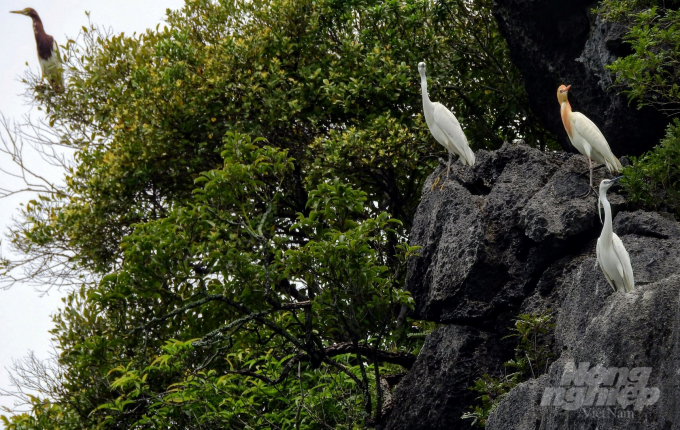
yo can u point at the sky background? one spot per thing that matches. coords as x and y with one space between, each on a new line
24 312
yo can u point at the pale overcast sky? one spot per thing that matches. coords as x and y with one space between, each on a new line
24 314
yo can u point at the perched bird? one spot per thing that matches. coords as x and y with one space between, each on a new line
611 255
585 136
48 51
445 127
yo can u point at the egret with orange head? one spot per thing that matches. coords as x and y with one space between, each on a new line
585 136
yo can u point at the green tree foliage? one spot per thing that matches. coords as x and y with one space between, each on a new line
532 358
653 181
233 226
650 76
44 416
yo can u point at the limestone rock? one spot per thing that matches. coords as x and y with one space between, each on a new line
428 397
514 234
556 42
491 229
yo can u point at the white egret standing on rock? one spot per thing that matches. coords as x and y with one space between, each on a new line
48 51
445 127
611 255
585 136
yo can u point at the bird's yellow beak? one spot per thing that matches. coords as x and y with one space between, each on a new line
20 12
567 89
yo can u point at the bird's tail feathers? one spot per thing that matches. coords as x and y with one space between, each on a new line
614 165
618 165
468 157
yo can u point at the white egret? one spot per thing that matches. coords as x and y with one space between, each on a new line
611 254
48 51
585 136
445 127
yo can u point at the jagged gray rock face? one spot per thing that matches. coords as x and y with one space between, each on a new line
556 42
640 329
514 235
450 354
491 228
582 293
529 395
597 326
557 211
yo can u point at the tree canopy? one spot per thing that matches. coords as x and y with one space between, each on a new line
233 228
650 76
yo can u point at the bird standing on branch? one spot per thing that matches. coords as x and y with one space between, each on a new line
48 51
585 136
445 127
611 255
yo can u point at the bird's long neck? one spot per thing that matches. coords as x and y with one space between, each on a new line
565 110
607 229
43 41
38 28
427 104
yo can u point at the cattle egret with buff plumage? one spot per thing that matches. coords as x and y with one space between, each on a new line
585 136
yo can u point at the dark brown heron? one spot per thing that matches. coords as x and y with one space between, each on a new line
48 51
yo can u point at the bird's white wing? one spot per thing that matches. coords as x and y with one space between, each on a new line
55 48
52 65
625 268
53 69
582 125
448 123
599 262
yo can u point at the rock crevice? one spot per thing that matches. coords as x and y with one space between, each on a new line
528 245
482 254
